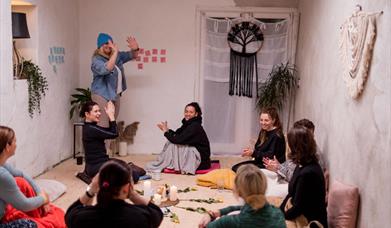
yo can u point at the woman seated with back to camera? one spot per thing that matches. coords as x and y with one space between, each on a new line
250 186
270 142
112 186
306 191
188 148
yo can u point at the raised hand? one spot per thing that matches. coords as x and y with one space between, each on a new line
95 184
132 43
110 110
163 126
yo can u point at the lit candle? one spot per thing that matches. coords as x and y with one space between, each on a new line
157 199
173 193
164 194
147 189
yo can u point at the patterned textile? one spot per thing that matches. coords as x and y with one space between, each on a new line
21 223
358 34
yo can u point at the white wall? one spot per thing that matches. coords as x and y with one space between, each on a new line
355 134
160 91
46 139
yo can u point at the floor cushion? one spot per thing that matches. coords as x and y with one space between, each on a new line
52 187
342 206
215 164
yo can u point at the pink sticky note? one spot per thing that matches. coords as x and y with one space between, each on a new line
145 59
154 51
162 51
162 59
140 66
147 52
154 59
141 51
138 59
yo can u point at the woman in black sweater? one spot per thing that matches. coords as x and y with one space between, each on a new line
94 138
270 142
188 148
113 185
306 191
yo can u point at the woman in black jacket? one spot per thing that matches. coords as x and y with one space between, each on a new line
306 191
113 185
188 148
270 143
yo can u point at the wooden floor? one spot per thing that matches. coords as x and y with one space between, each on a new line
65 173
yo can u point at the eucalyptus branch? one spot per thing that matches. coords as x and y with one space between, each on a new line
200 210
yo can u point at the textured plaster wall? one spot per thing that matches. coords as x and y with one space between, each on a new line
354 134
159 92
46 139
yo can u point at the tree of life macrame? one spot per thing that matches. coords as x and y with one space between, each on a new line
358 34
245 40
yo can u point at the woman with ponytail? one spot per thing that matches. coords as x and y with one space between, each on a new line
250 186
113 185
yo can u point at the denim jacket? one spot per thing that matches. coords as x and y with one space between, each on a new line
104 82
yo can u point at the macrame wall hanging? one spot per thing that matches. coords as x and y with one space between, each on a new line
245 40
358 35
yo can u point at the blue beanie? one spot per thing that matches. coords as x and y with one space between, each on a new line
102 39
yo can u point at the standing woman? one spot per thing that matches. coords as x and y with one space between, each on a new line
22 203
108 72
306 191
112 186
270 143
188 148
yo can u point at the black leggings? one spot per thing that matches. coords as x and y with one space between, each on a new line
254 162
92 169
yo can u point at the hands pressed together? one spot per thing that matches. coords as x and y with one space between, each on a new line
271 164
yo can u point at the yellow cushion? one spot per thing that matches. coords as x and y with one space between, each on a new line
210 179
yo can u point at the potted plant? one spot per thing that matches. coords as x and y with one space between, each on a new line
79 99
282 81
37 85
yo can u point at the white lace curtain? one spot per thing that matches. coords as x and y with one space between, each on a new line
232 120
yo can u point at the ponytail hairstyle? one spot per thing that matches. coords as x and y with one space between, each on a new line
87 107
7 135
251 185
113 175
273 114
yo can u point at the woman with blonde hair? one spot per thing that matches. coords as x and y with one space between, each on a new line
250 186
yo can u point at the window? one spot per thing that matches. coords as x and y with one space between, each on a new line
231 121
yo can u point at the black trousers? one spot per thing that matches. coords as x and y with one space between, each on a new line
92 169
254 162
